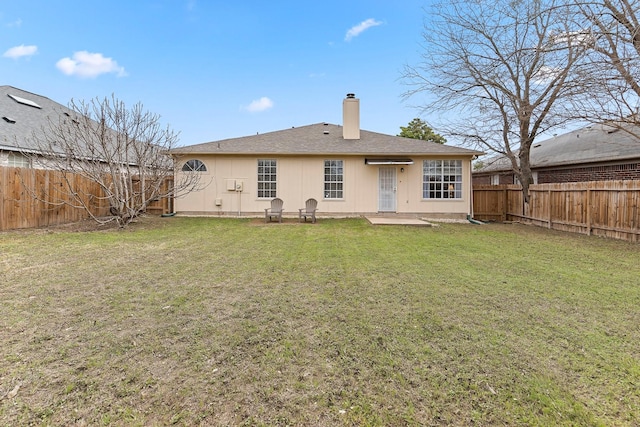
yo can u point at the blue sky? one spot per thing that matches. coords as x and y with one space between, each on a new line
219 69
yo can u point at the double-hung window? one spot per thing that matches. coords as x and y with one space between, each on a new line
267 178
333 179
442 179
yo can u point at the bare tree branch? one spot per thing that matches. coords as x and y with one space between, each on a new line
124 151
502 71
612 72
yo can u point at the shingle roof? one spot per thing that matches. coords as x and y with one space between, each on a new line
597 143
23 118
591 144
323 139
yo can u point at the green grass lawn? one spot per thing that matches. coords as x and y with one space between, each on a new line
191 321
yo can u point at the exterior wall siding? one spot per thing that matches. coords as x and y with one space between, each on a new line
485 179
630 171
616 172
481 179
301 178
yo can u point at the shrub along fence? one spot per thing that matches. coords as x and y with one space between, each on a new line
603 208
33 198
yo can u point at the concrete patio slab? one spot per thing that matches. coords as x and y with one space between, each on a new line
397 221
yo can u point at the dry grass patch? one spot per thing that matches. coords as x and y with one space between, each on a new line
232 322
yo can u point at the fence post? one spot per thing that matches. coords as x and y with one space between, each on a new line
505 204
588 203
549 204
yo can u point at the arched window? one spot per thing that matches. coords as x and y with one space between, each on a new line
194 165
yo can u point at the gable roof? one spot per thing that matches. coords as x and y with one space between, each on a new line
323 139
591 144
22 113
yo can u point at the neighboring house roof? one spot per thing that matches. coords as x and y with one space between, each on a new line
22 113
323 139
592 144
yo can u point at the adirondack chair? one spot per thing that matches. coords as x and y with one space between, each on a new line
275 211
309 210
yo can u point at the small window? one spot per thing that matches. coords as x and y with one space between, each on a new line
194 165
18 160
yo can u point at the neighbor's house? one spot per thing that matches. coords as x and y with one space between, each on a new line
593 153
24 113
349 171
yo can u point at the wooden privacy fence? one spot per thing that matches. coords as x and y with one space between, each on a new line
20 209
603 208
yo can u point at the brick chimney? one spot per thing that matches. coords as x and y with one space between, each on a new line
351 117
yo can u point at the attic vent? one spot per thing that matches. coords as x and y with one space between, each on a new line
536 146
24 101
326 132
613 131
8 120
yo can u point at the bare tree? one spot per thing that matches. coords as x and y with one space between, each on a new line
501 70
123 151
612 72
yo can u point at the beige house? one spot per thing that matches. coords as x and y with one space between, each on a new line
350 172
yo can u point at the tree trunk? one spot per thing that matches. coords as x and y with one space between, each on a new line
525 175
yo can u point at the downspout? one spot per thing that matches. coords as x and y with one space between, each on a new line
474 221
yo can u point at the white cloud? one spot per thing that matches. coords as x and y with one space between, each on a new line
20 51
364 25
15 24
86 64
546 75
259 105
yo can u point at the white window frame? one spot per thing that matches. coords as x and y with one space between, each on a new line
333 188
18 160
267 178
194 165
442 179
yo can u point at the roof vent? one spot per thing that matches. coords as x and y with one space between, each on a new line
326 132
8 120
351 95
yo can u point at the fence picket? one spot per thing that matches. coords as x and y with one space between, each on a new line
603 208
19 209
